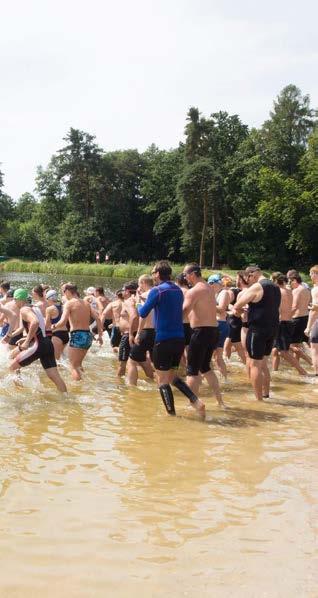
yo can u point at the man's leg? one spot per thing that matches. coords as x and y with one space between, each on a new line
76 357
54 375
314 355
275 359
256 375
289 357
266 378
240 351
132 372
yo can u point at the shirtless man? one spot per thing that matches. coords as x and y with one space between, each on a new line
79 313
39 298
300 311
4 288
111 314
222 303
9 320
235 323
35 345
263 298
312 328
200 306
101 303
127 313
143 342
53 315
283 339
184 286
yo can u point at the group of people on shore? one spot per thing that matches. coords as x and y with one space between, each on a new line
163 326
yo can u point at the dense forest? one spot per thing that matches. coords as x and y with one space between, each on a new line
227 195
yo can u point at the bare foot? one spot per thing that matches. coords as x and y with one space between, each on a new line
222 404
200 407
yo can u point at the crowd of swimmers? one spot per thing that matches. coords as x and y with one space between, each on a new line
178 332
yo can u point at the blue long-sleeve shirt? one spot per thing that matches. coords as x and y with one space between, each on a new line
166 300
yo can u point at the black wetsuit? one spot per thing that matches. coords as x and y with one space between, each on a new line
263 321
235 322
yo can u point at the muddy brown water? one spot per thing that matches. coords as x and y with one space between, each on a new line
102 494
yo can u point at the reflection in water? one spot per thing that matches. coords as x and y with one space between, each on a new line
103 494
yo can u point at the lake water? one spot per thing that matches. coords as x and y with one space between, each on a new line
102 494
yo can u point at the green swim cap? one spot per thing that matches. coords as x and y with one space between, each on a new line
20 294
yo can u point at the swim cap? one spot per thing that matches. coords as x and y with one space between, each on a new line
20 294
214 278
90 291
51 294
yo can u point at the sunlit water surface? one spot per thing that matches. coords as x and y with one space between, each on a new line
102 494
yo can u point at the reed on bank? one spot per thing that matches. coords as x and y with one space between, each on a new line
129 271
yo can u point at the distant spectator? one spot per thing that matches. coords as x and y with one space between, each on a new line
97 257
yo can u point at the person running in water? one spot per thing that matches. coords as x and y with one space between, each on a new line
300 312
111 314
38 298
79 313
53 315
312 326
285 330
35 345
166 299
200 306
263 298
222 303
142 343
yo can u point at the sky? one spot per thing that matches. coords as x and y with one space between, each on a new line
127 71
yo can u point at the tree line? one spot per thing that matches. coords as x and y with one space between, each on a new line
227 195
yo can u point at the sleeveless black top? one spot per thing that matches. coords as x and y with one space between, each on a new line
265 313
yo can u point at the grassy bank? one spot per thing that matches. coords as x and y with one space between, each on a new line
130 270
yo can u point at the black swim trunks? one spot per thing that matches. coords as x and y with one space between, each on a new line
124 347
63 335
187 333
14 339
115 336
203 343
299 325
42 349
167 353
284 335
259 342
138 351
314 333
235 324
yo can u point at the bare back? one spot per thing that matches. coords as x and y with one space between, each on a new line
301 300
286 303
79 313
200 305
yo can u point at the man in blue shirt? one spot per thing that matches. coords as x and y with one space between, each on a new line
166 299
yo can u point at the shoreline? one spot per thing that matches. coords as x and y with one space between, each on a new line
129 270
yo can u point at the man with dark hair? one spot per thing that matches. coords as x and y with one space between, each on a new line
284 335
126 315
263 298
166 299
4 288
200 306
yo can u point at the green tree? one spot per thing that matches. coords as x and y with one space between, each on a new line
197 192
161 169
286 132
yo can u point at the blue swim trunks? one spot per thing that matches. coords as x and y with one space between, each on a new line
224 331
4 329
81 339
